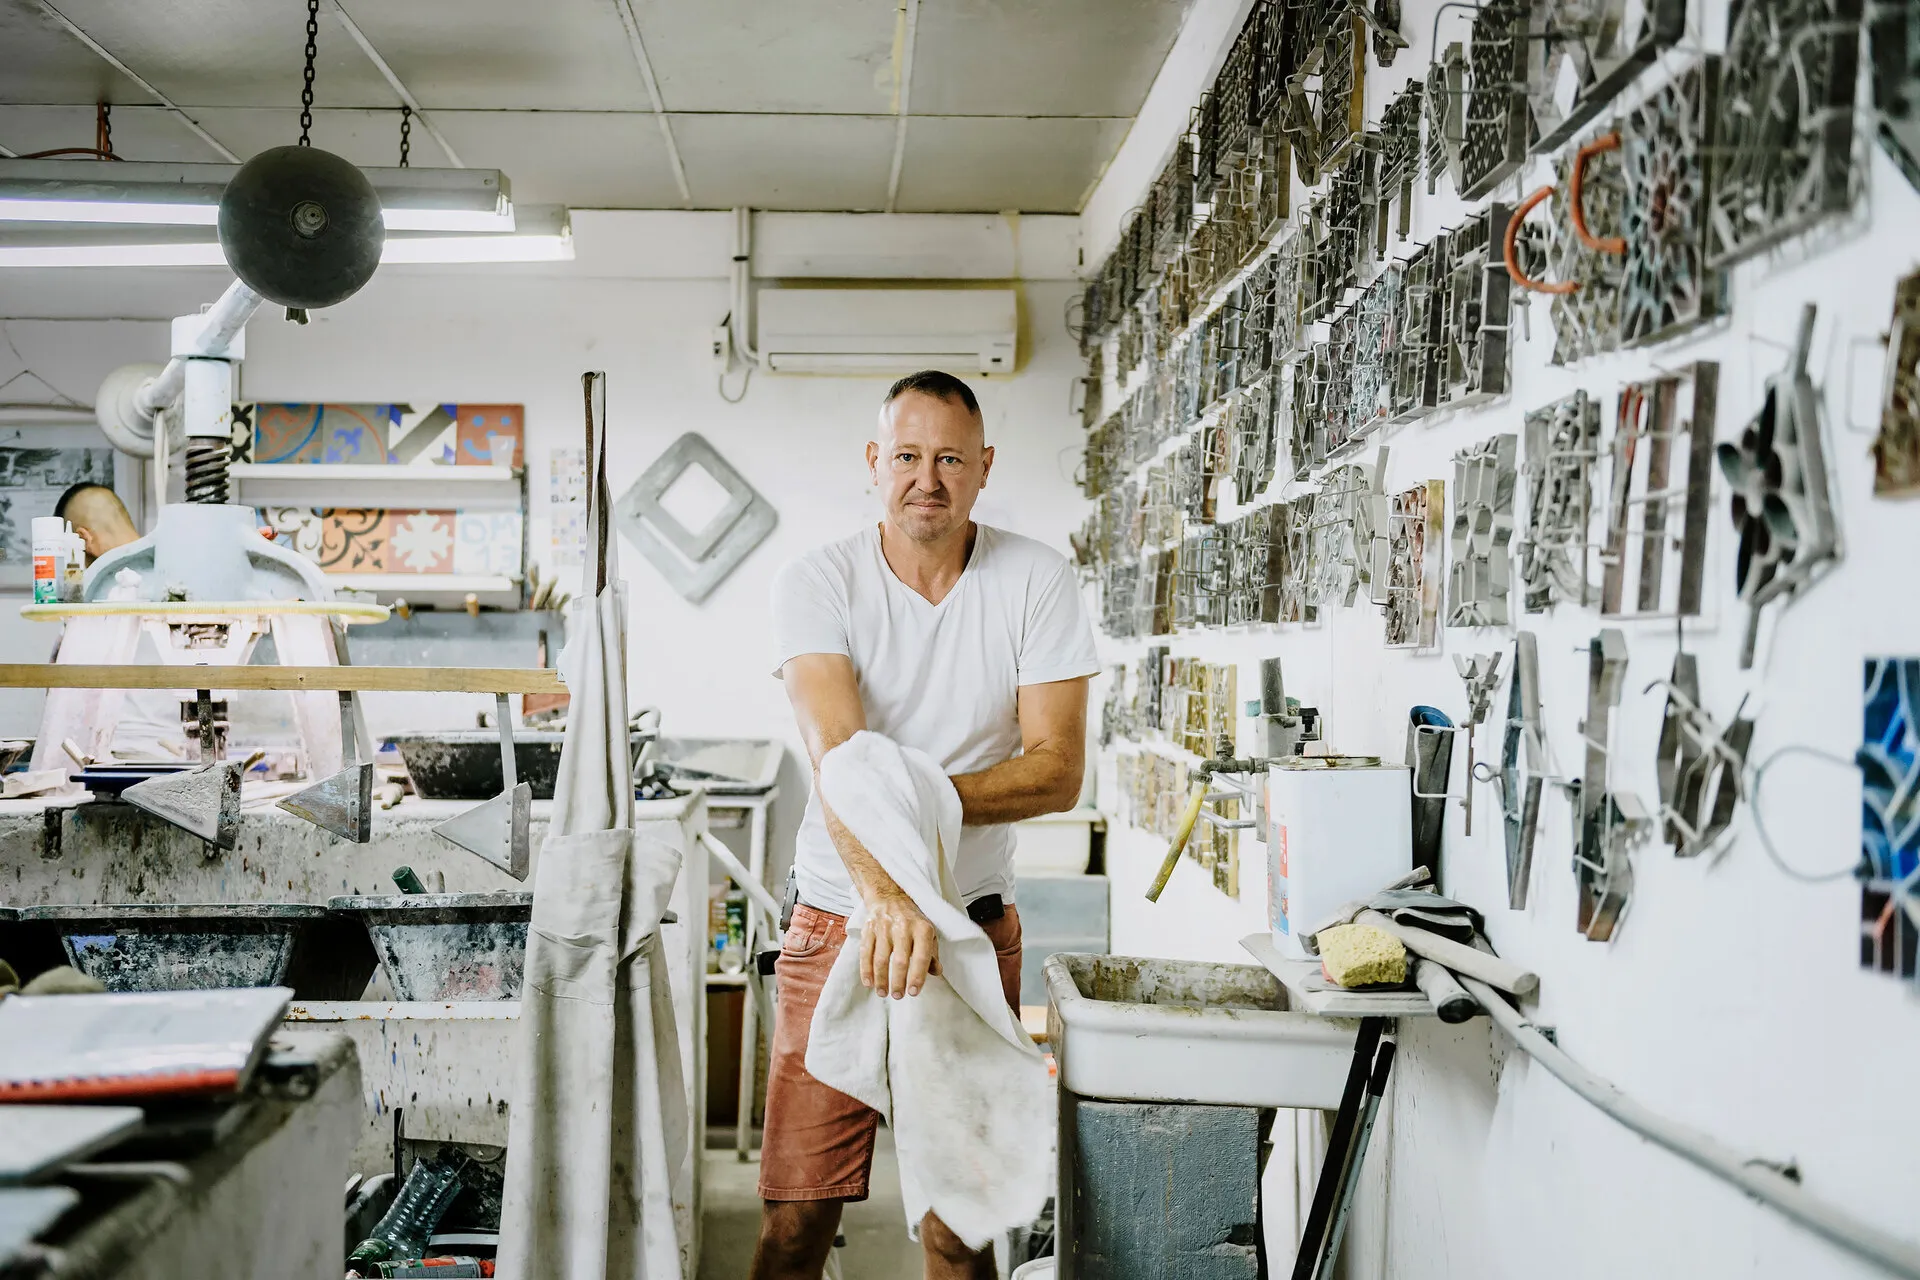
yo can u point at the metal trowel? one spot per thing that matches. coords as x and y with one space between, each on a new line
343 803
501 829
203 801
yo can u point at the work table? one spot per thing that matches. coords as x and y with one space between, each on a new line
72 849
449 1067
263 1200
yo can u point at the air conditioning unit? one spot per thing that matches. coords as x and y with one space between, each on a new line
887 331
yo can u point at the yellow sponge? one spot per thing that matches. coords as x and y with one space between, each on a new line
1359 955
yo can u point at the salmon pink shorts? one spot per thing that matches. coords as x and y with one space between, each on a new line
819 1142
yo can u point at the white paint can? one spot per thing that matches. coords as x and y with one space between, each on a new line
1339 828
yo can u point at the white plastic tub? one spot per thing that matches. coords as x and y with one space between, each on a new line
1145 1030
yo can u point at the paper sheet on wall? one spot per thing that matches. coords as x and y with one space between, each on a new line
567 506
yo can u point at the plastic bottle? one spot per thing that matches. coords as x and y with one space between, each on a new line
49 558
73 582
716 925
407 1226
733 957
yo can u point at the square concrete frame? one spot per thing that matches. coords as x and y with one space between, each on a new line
694 561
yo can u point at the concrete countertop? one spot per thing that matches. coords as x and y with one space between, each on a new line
79 850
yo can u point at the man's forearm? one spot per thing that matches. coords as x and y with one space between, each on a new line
868 876
1024 787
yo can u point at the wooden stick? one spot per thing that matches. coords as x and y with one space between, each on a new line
1490 969
75 675
1180 837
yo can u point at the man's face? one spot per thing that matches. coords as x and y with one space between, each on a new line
931 461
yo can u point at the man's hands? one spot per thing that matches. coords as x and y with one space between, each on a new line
899 946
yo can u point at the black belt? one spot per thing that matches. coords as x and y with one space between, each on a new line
987 909
982 910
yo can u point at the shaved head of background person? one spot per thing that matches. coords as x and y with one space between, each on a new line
971 644
98 516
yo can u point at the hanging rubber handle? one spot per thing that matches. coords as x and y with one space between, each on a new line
1512 248
1576 196
1181 834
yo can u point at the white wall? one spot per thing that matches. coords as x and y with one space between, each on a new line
1730 998
525 334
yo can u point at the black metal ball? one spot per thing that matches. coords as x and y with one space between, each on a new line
301 227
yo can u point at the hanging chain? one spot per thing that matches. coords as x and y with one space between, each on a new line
306 89
406 134
103 142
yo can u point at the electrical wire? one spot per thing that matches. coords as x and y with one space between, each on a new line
96 152
743 387
1760 825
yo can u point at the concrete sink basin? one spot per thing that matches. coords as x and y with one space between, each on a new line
1146 1030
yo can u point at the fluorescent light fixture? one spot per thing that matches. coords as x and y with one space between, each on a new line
207 215
545 236
137 193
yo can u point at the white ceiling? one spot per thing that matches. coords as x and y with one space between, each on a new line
778 104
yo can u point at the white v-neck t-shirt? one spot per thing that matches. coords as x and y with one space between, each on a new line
940 677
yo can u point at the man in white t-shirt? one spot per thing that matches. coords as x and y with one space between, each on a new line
971 644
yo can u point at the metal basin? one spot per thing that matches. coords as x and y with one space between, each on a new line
146 946
447 946
464 764
723 766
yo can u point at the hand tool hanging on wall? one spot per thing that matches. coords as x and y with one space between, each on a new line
499 830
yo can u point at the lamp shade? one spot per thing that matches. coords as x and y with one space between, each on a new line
301 227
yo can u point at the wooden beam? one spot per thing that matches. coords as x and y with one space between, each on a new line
61 675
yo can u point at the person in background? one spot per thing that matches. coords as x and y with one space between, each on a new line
971 644
149 727
98 516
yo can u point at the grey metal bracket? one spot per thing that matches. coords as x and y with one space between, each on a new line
1482 675
1782 507
1700 764
500 830
694 561
341 804
1606 823
1523 766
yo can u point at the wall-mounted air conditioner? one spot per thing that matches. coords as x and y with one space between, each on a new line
887 331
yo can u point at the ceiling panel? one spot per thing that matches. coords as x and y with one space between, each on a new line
138 133
1052 58
960 164
41 62
364 137
828 56
585 159
786 162
229 52
555 55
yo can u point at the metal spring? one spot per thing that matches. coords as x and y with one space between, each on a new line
207 470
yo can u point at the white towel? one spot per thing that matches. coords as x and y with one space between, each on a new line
960 1082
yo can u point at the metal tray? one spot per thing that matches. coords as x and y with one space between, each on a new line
447 946
723 766
151 946
112 779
